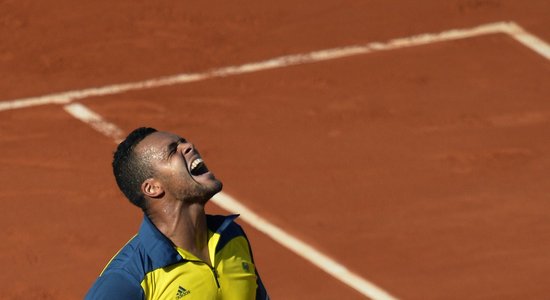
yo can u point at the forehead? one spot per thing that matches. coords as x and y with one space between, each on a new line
156 143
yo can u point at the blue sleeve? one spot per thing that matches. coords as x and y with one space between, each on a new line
261 293
115 284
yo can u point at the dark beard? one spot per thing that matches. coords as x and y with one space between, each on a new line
200 193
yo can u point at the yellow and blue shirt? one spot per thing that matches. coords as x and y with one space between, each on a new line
149 266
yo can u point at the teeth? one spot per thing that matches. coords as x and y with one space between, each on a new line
196 163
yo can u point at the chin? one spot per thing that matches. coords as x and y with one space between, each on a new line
216 188
203 193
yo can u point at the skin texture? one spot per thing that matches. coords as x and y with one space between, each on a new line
174 198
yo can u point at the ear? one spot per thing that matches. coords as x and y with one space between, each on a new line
152 188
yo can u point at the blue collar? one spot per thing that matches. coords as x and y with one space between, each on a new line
162 251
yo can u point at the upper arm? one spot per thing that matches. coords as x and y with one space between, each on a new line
116 284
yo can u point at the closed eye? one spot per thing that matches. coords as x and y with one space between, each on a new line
173 147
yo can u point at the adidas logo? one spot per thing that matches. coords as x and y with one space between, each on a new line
182 292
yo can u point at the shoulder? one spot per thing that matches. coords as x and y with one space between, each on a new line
115 284
232 238
131 260
121 278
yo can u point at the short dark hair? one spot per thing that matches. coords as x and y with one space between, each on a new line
131 171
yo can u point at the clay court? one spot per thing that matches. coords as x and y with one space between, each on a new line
374 149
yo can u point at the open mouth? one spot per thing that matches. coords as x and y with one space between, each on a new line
198 167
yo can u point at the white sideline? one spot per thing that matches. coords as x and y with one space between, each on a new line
510 28
307 252
89 117
230 204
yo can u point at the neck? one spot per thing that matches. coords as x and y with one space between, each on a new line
184 224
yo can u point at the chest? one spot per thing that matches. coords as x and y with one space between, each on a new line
233 276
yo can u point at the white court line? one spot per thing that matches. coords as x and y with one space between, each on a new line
230 204
89 117
529 40
307 252
509 28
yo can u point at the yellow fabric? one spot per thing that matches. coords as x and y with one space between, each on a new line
233 272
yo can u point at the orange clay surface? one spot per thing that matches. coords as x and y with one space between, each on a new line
425 170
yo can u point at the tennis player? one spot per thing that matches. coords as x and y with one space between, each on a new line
179 252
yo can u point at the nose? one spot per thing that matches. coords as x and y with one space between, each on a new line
186 147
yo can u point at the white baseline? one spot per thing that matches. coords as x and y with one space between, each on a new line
510 28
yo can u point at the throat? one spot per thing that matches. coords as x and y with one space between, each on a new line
185 226
199 250
205 256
